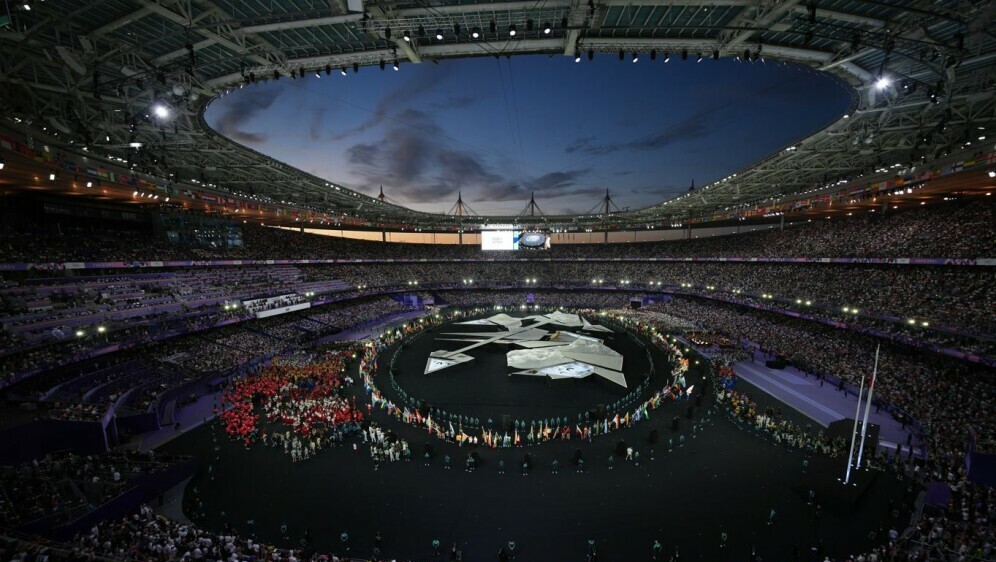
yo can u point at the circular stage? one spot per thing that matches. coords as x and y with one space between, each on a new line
486 387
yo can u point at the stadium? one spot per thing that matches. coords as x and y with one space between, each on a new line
366 280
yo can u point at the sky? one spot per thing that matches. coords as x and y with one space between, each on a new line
497 130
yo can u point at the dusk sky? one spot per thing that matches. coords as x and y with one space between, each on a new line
497 130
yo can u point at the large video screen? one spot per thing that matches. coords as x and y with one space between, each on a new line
534 240
499 240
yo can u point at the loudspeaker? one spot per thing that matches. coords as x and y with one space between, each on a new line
775 364
635 304
601 411
652 438
675 423
690 412
506 423
698 399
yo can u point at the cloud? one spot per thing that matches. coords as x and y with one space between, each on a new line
363 154
421 166
240 110
547 186
399 100
317 117
579 144
693 128
453 102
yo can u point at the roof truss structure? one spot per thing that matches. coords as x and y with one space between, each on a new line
86 74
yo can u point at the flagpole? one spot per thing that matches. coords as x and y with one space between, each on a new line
864 423
857 414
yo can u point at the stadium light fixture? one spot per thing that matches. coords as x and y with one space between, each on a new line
395 65
407 36
161 111
318 73
80 333
547 29
882 83
636 56
475 34
511 30
52 176
667 57
342 71
89 184
101 329
577 57
439 35
992 173
2 165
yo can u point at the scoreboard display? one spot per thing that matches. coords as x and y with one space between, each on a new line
499 240
508 237
534 240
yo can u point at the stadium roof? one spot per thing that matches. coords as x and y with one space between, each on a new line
93 73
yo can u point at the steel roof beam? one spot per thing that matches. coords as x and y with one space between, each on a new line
842 16
120 22
180 20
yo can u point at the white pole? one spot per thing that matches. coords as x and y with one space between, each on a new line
864 422
857 414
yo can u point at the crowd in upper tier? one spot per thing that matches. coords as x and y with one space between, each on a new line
42 318
954 229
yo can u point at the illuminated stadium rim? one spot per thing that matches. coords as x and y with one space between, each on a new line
128 57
